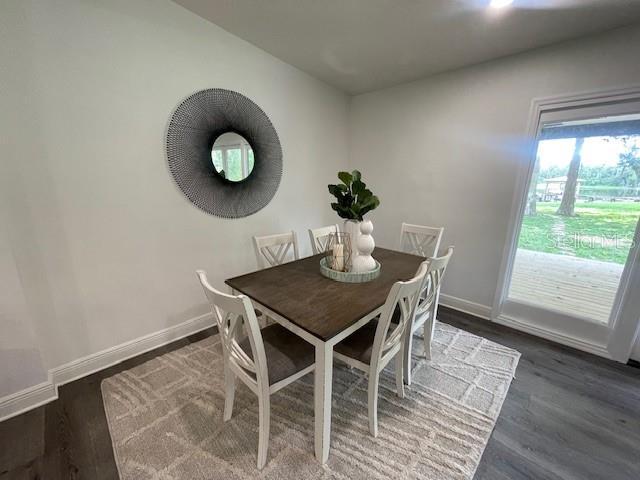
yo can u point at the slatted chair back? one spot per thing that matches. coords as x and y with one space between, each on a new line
420 240
232 312
431 288
319 237
403 297
273 250
426 311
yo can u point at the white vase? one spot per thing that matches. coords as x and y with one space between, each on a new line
363 261
352 227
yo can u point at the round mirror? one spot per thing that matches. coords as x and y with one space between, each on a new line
205 139
232 156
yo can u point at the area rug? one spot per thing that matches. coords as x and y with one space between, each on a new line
165 417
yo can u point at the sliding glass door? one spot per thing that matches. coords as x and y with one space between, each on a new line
575 241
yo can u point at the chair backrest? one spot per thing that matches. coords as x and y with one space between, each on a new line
272 250
230 313
420 240
404 297
320 237
431 289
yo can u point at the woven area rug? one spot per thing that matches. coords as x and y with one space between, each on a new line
165 417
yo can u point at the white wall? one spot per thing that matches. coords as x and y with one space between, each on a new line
445 150
105 244
20 356
21 362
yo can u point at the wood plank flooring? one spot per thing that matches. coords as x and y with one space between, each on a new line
76 440
566 284
568 415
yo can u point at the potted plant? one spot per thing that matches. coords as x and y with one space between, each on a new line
354 201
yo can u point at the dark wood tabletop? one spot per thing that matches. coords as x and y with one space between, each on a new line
324 307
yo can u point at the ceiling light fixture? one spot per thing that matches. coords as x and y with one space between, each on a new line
500 3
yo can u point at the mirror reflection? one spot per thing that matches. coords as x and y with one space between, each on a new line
232 156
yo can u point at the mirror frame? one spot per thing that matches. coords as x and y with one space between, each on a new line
195 125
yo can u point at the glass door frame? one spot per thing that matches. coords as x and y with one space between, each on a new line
614 340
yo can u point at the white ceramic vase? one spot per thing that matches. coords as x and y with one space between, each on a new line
363 261
352 227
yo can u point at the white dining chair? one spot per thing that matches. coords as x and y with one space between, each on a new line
273 250
372 347
265 360
426 310
420 240
320 236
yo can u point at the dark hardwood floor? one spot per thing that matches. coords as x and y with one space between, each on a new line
568 415
69 438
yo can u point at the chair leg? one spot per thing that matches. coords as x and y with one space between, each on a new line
406 367
264 407
427 335
229 393
400 373
374 378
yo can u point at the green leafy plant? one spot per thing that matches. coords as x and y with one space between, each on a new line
355 200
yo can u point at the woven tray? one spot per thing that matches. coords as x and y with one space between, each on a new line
349 277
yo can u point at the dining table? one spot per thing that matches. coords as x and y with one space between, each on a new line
323 312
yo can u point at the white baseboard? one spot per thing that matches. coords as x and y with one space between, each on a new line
466 306
38 395
111 356
24 400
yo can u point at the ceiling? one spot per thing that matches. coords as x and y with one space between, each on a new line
364 45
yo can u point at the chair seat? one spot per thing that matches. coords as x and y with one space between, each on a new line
286 353
359 345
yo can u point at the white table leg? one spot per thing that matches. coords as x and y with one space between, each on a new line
323 378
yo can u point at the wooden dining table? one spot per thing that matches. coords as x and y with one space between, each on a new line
323 312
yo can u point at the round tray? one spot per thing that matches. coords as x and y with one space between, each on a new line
349 277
